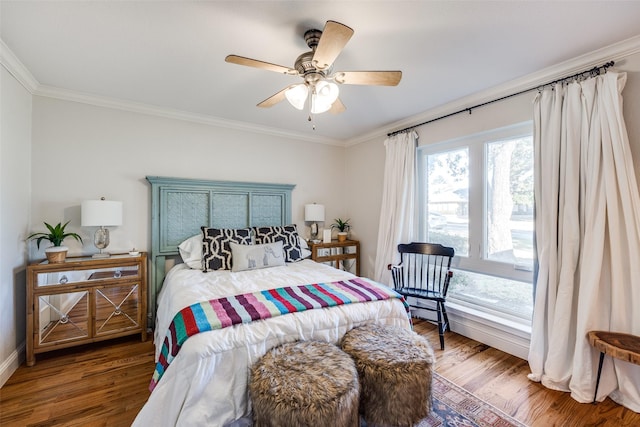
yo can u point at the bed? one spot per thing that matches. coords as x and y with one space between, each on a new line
206 382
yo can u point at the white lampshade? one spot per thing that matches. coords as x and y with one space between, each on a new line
324 96
314 212
101 213
297 95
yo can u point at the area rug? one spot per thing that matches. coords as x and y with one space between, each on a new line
453 406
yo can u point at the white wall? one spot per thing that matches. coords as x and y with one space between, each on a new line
15 185
363 199
83 152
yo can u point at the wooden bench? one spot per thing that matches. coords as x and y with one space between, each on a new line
618 345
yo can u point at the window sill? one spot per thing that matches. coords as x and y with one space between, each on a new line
512 336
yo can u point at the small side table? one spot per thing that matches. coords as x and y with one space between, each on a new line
618 345
338 258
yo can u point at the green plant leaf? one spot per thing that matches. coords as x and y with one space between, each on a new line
56 235
341 225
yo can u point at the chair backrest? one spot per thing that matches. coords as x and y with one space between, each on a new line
424 267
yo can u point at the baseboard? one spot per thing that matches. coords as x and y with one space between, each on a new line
11 364
492 331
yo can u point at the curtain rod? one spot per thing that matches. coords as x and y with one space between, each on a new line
592 72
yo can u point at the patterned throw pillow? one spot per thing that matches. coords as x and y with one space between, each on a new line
216 253
287 234
252 257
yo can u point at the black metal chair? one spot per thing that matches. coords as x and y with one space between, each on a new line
424 272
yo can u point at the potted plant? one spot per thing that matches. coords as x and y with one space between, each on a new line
343 228
56 253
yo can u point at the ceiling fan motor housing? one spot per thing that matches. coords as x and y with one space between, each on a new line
305 67
312 37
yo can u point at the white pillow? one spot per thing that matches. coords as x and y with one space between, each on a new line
304 247
191 251
252 257
303 243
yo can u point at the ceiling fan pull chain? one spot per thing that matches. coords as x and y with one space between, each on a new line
310 100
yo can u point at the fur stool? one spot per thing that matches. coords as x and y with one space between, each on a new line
395 368
305 383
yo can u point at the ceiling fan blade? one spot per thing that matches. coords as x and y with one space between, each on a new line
274 99
334 38
241 60
379 78
337 107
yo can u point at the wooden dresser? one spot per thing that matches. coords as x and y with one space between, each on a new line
84 300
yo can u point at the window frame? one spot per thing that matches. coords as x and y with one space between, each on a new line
476 145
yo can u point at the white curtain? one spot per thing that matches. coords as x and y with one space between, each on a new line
398 201
588 239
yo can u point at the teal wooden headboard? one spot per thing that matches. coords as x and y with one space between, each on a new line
179 207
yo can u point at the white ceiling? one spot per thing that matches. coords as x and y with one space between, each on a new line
170 54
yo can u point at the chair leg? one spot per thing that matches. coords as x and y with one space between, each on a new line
446 318
441 325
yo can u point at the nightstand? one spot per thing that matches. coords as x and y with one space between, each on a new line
338 253
84 300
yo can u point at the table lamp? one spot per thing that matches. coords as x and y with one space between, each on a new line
314 213
101 213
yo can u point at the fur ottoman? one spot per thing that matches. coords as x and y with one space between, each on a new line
394 367
306 383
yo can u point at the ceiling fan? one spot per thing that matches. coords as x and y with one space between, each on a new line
319 90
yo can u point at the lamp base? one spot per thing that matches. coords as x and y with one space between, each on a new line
101 241
101 255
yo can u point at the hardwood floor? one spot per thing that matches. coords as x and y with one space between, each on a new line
105 384
101 384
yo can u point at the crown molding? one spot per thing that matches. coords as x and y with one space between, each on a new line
615 52
12 64
136 107
17 69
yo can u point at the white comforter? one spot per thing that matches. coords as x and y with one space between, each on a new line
206 384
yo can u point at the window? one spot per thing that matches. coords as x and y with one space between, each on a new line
477 196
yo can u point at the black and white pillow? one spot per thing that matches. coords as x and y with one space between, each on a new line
216 252
287 234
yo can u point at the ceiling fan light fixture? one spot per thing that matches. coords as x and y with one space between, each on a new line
317 106
323 96
297 95
327 91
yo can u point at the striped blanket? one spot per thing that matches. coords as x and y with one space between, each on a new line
223 312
